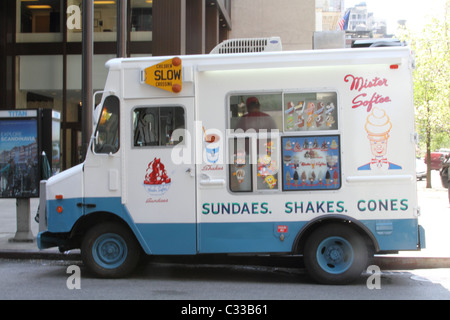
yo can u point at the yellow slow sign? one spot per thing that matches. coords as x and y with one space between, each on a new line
165 75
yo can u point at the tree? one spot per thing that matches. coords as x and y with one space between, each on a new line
432 83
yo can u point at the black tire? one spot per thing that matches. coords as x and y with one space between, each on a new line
335 254
110 250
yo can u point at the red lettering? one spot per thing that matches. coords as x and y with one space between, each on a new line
359 83
376 99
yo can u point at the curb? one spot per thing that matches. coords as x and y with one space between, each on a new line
410 263
35 255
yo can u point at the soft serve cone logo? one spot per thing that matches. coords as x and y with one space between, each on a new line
378 127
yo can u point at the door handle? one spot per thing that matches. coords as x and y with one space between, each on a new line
205 180
190 172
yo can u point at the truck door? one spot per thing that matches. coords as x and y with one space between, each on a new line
159 174
101 171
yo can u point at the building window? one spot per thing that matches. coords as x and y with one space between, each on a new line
39 21
141 20
104 24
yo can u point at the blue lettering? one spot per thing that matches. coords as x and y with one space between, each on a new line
264 208
17 113
319 207
309 208
205 207
299 207
330 205
394 204
404 203
225 208
361 206
340 206
254 207
288 208
215 211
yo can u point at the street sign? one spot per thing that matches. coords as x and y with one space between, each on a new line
165 75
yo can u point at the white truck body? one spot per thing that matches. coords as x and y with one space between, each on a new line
342 151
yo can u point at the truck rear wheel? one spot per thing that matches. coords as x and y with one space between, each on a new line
335 254
110 250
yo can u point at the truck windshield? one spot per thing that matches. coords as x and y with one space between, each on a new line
107 133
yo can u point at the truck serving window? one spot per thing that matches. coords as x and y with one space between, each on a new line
255 120
256 112
243 165
155 126
303 155
310 111
107 133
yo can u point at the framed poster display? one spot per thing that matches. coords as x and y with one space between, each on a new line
311 162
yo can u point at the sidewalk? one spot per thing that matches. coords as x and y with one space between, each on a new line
435 218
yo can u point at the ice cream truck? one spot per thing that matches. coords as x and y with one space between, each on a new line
308 153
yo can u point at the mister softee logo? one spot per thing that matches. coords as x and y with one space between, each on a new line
378 124
360 83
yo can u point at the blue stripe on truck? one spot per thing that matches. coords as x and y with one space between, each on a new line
190 238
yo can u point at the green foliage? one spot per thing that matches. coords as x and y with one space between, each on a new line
432 81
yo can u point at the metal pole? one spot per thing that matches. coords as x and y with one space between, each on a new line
86 86
121 28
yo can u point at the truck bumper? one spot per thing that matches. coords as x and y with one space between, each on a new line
422 244
47 240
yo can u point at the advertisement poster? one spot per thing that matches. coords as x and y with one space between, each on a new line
311 163
19 160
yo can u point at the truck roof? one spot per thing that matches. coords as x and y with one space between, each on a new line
288 59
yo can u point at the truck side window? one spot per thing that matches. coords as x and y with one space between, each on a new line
107 133
243 165
267 164
256 112
158 126
240 165
254 148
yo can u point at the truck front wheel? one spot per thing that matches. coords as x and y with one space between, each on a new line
110 250
335 254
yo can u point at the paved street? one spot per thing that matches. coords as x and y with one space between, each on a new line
38 278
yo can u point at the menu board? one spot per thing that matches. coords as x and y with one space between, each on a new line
311 163
310 112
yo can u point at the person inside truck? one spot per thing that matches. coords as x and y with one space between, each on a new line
255 118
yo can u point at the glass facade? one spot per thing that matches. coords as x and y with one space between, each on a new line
41 46
49 64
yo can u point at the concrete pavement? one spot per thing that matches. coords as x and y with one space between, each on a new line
435 218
